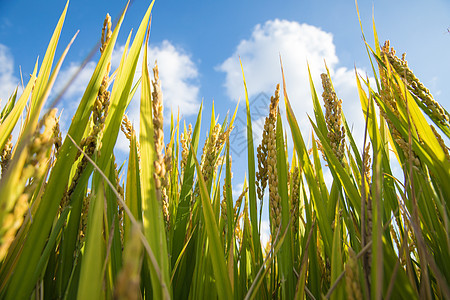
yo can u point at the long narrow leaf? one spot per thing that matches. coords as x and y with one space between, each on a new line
20 286
218 261
154 227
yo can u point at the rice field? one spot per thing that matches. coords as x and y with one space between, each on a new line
71 228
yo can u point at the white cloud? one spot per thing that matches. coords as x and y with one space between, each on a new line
241 132
265 233
78 86
178 75
179 83
298 45
237 190
8 82
71 98
327 177
177 72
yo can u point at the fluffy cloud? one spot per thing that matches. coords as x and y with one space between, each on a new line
265 233
8 82
78 86
72 96
298 45
177 72
179 83
178 75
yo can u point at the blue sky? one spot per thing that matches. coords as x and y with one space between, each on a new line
197 44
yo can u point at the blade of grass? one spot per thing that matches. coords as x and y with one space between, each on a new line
306 166
21 284
8 124
184 275
8 185
91 277
52 240
9 105
318 113
285 260
265 268
44 72
251 179
133 191
182 213
336 259
154 227
152 258
338 170
217 258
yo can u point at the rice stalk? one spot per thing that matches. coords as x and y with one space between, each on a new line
352 285
200 242
185 142
5 155
92 142
128 281
268 164
433 108
295 199
441 142
333 111
35 165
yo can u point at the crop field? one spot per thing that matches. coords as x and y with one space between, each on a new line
170 228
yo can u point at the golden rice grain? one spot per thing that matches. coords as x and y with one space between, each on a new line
269 136
414 85
352 286
106 33
5 154
128 280
36 163
333 117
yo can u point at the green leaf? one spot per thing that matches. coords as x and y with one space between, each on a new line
336 260
184 274
307 167
9 105
154 227
285 255
40 88
133 188
217 258
229 199
7 126
182 213
251 179
112 230
91 277
339 171
52 240
318 113
121 93
22 281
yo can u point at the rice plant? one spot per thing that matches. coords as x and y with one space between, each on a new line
71 229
